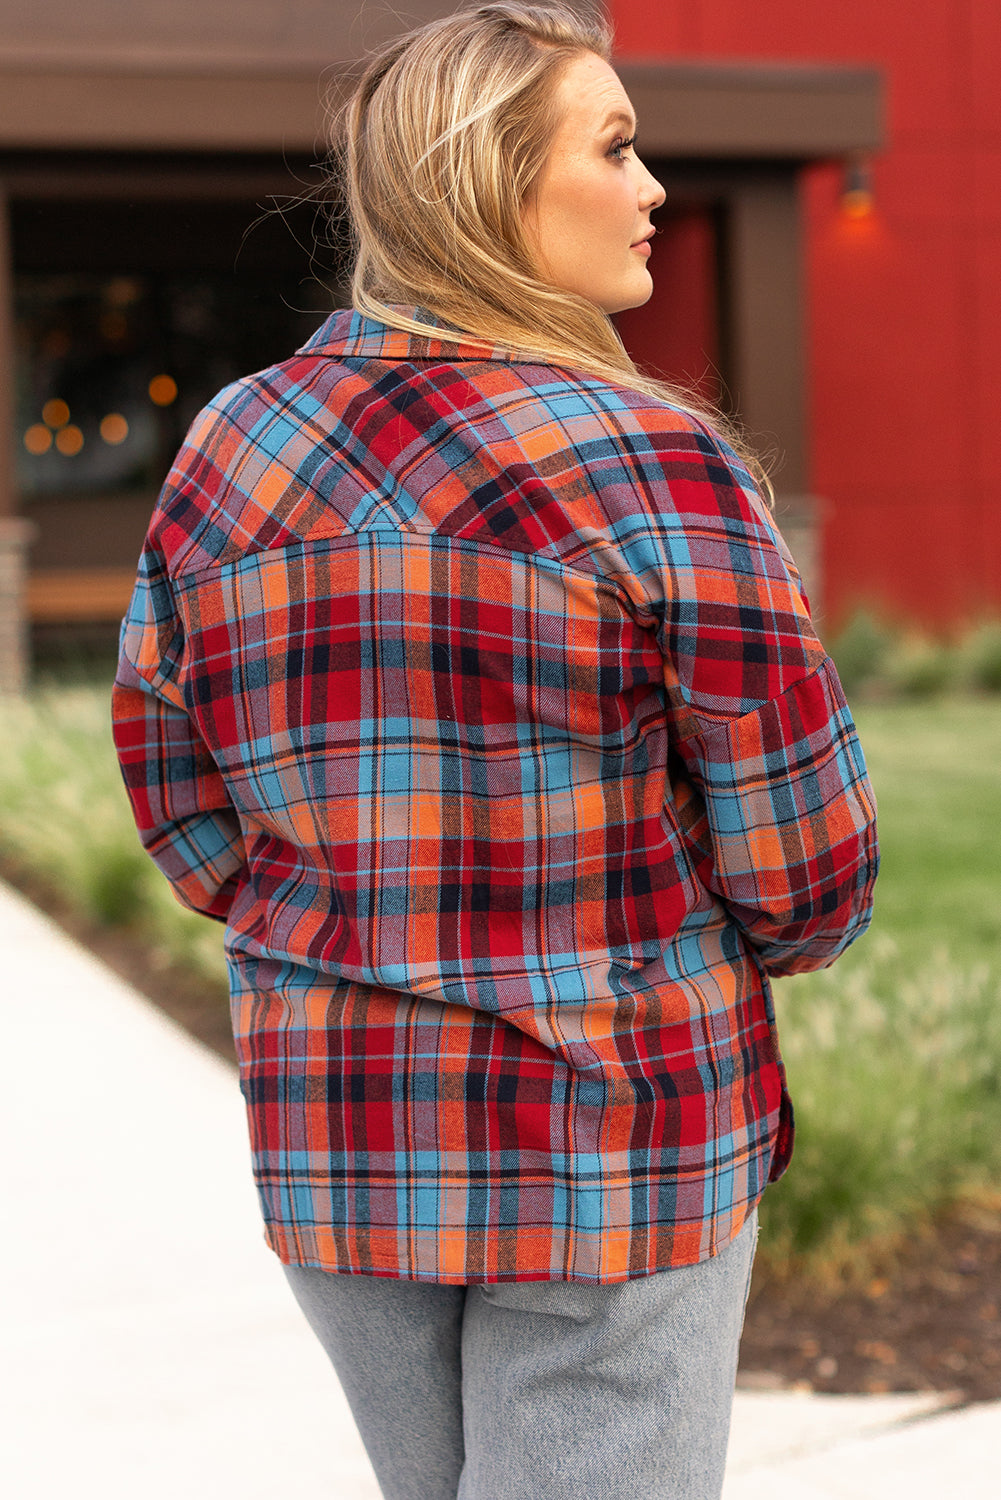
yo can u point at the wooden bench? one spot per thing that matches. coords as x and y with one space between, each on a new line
68 596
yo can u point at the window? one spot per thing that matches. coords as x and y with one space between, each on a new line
112 368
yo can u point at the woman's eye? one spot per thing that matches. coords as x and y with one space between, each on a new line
617 147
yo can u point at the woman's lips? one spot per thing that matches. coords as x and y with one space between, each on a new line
643 246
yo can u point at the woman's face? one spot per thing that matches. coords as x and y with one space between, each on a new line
588 219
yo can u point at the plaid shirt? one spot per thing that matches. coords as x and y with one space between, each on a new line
480 701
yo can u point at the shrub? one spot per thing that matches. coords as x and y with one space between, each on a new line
860 652
877 661
917 667
979 658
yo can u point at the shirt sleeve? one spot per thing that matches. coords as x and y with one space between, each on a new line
183 812
783 819
770 784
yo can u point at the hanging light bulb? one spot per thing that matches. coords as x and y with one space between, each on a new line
857 200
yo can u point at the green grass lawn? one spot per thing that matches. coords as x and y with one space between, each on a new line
936 768
894 1054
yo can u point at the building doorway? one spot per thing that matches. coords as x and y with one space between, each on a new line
678 334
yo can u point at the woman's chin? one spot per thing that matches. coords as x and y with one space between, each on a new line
635 296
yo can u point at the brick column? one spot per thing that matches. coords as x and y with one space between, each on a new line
15 535
14 532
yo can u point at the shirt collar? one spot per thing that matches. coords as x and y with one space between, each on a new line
347 333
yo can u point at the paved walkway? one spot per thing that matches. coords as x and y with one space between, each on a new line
152 1349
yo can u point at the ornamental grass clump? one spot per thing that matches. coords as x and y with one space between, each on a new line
896 1075
65 823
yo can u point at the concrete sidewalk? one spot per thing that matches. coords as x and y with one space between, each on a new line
152 1349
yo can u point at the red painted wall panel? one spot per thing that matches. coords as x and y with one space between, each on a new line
985 363
904 310
985 92
675 335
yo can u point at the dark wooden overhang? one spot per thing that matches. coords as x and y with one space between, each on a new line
754 111
733 110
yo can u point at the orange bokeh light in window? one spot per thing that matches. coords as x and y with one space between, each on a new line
38 439
55 413
69 441
114 428
163 390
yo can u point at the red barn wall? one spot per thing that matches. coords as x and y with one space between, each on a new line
904 309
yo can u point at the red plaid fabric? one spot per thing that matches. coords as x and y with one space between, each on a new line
480 701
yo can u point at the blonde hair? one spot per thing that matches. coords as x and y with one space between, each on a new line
440 145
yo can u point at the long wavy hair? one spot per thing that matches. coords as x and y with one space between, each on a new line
436 152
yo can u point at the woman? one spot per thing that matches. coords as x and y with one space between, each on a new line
468 681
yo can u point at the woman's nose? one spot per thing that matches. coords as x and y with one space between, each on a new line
652 195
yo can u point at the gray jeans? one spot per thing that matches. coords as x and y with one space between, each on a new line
540 1390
